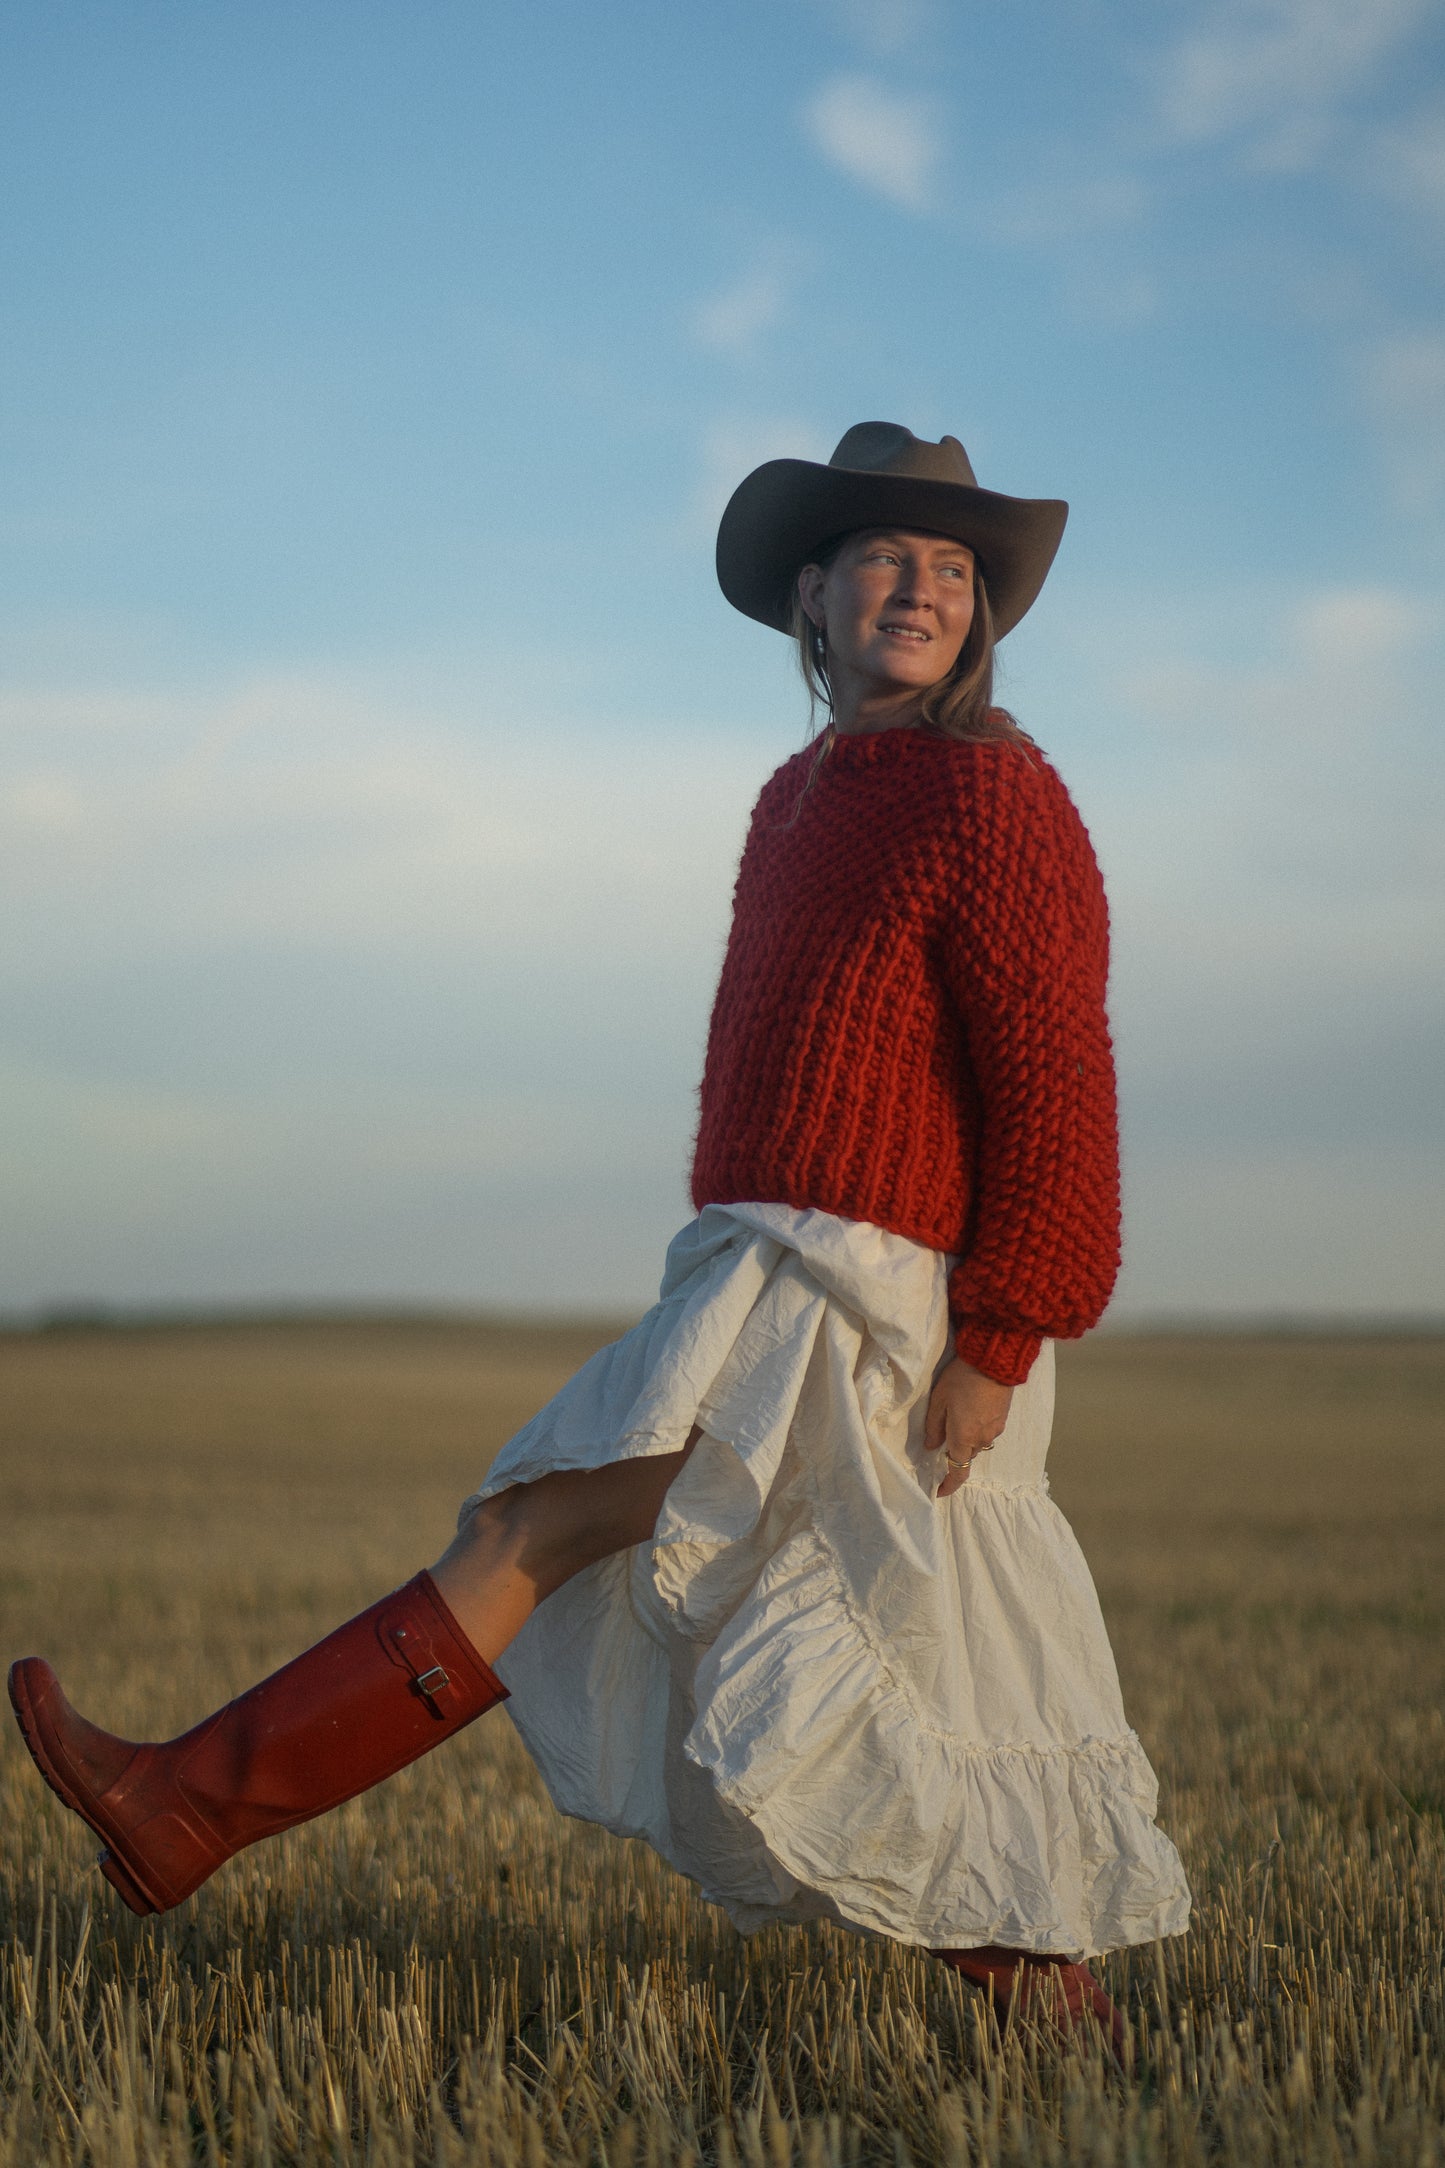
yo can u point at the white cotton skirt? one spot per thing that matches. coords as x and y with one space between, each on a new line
820 1691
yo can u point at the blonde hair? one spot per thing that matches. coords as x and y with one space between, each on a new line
960 706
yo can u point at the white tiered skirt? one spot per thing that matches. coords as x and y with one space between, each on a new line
819 1691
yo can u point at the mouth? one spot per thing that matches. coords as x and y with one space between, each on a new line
914 633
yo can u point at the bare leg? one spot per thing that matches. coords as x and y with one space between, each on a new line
380 1690
520 1545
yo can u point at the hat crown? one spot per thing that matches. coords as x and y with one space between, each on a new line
889 448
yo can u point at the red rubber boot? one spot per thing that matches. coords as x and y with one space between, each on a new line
1062 1994
380 1692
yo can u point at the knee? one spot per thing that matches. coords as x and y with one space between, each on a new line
520 1529
571 1518
494 1524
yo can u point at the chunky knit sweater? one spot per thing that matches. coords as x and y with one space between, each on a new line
910 1026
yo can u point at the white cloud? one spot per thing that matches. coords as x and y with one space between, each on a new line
733 320
1404 384
881 138
1357 627
1273 834
1325 655
338 1188
307 992
302 811
1277 71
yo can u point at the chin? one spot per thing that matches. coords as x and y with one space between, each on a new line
912 673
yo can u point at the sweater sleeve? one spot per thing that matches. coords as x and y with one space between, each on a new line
1026 956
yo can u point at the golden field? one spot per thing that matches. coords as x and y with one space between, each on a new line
447 1972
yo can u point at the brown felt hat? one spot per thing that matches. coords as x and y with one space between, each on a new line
881 475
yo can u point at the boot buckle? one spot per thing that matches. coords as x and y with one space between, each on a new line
413 1645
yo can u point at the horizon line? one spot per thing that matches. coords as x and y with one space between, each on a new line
87 1316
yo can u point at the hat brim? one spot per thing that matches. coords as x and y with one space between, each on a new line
783 513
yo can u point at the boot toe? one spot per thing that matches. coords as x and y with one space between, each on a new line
79 1762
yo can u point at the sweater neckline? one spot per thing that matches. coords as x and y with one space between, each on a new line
867 748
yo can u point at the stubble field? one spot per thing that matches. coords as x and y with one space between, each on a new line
447 1972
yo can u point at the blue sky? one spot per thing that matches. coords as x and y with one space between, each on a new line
375 746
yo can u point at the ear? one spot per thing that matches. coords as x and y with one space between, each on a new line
810 592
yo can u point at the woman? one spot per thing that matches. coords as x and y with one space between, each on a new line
786 1631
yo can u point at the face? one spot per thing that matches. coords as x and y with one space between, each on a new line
896 607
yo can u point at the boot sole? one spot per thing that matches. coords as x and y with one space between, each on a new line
123 1874
128 1891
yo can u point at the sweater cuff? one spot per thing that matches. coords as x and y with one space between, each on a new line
1004 1353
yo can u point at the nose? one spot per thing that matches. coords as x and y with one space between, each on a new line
914 588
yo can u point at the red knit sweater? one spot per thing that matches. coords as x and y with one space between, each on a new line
910 1027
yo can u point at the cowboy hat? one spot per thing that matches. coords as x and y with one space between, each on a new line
881 475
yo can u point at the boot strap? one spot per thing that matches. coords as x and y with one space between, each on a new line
417 1652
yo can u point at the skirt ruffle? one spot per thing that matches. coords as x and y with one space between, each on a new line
821 1691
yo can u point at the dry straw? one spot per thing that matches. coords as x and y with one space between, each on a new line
448 1973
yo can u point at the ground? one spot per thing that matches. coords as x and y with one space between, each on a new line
448 1972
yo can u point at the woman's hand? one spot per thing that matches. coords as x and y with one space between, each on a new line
965 1414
